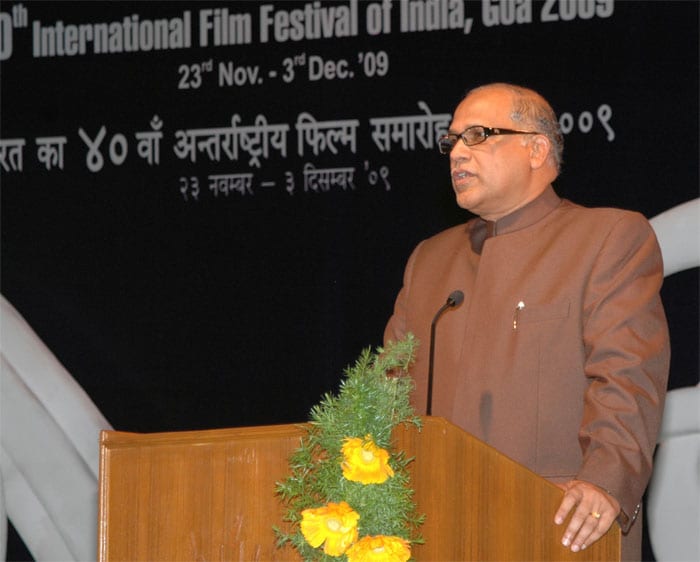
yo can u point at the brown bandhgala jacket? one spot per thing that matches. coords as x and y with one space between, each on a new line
559 354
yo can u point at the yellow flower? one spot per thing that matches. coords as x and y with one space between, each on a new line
364 461
335 524
379 549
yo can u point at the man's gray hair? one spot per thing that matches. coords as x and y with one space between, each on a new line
533 111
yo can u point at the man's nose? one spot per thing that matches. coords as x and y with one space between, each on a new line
459 152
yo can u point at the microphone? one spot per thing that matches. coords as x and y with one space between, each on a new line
454 299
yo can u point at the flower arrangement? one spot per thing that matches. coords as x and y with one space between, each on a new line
348 496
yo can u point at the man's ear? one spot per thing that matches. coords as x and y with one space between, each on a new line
540 148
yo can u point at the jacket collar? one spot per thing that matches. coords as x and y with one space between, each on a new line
523 217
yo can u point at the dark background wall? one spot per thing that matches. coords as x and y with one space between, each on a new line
176 308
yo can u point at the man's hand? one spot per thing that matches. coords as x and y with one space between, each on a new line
594 512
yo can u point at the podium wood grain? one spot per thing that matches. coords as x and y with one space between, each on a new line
208 496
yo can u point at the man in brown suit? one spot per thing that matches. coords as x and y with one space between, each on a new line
558 355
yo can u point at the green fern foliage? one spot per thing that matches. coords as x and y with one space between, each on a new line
373 399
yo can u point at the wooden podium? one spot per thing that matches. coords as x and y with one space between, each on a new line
210 496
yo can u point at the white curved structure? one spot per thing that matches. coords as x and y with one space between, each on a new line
674 493
678 232
49 448
673 501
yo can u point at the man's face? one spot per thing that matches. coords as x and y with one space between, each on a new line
493 178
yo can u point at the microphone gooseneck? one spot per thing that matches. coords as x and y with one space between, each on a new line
454 299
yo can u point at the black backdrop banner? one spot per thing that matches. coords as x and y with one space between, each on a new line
207 206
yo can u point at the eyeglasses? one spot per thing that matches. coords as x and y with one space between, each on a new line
475 134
